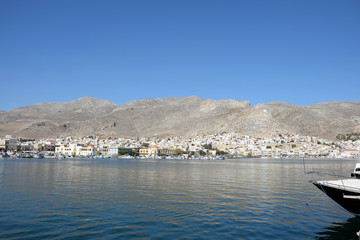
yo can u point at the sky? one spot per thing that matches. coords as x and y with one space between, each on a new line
301 51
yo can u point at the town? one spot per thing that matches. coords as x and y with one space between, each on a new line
216 146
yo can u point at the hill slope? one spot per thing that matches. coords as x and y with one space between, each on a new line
188 116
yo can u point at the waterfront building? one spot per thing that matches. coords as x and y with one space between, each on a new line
149 152
66 149
156 151
8 143
75 149
3 145
85 150
113 151
103 150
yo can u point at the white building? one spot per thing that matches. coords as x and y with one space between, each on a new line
75 150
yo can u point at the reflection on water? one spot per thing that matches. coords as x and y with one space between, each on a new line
132 198
341 230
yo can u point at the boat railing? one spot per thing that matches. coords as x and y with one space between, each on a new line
342 185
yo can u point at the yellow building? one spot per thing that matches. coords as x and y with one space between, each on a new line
155 151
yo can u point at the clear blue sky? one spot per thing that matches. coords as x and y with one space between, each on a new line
300 51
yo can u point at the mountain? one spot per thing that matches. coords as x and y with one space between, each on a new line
187 116
51 119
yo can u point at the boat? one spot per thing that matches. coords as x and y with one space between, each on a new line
345 192
356 172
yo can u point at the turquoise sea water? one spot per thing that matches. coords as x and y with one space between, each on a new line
169 199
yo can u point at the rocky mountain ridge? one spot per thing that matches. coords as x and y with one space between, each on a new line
184 116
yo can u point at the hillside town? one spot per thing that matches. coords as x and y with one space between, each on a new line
217 146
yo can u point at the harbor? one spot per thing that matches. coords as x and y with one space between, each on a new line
216 146
162 198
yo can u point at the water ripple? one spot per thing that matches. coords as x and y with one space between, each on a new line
166 199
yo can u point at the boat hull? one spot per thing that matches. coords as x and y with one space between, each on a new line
355 175
349 200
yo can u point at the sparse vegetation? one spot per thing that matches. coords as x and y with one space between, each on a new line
145 144
219 152
202 153
348 137
207 146
179 152
124 152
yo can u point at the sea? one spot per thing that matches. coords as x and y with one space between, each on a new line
248 198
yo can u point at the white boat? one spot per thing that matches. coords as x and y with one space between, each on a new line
345 192
356 172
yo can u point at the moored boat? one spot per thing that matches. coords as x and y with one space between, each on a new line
356 172
345 192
